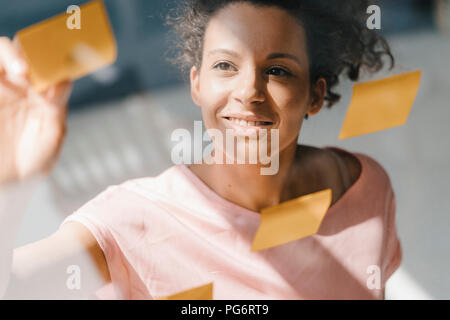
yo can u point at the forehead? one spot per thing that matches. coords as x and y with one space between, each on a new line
243 26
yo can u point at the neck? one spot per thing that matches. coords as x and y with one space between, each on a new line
244 185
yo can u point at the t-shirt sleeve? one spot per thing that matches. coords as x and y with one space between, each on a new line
98 216
392 257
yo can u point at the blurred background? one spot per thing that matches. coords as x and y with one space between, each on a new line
121 119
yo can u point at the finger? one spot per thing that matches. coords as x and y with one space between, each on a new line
59 94
12 62
12 59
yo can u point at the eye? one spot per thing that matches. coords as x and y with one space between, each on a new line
224 66
279 72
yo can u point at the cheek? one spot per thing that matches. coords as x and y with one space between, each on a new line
214 91
214 97
291 101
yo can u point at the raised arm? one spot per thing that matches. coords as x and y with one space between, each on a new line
68 264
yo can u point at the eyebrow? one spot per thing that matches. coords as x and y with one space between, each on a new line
274 55
277 55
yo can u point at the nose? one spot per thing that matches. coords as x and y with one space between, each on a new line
250 87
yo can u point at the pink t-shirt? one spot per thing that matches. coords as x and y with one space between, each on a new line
166 234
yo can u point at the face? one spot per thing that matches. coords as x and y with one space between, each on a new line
255 67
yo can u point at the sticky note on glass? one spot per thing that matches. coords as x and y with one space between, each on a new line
291 220
381 104
68 46
204 292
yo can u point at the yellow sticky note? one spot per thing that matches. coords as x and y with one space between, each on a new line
204 292
57 50
381 104
291 220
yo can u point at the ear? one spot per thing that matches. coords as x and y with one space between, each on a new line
317 96
195 85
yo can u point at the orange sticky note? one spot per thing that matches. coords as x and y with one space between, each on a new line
204 292
381 104
57 50
291 220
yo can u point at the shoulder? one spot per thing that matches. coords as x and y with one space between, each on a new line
350 164
133 200
143 187
361 165
375 172
340 167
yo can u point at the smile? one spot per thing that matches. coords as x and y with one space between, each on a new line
245 123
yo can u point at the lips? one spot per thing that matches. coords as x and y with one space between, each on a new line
247 124
249 120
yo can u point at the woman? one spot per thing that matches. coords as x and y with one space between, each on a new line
253 65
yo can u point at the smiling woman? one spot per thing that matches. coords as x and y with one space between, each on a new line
252 65
257 65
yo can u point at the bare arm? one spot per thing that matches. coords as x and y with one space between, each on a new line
32 128
69 264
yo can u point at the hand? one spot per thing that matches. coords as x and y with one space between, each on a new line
32 125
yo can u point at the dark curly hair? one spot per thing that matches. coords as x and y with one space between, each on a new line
338 39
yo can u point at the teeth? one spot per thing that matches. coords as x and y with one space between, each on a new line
247 123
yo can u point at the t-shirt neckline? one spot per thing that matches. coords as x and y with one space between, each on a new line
212 195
